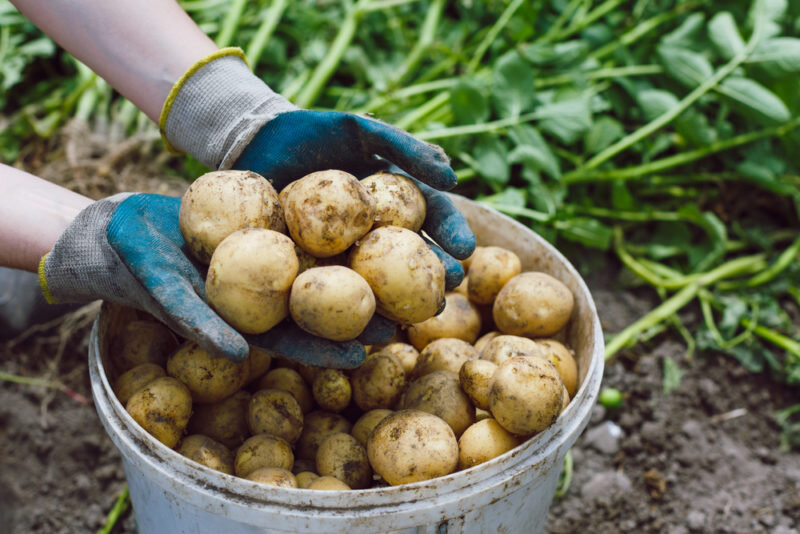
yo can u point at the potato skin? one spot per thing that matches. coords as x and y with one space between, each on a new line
440 394
490 268
365 424
475 377
162 408
460 319
483 441
378 382
135 379
317 426
209 378
206 451
560 356
532 304
445 354
398 200
273 476
328 483
504 347
332 390
305 478
341 456
262 450
142 341
224 421
276 412
405 353
291 381
260 362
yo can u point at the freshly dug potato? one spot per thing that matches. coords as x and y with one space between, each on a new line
135 379
366 423
532 304
260 361
327 211
489 270
209 378
445 354
566 400
291 381
483 441
206 451
474 377
162 408
331 302
504 347
262 450
224 421
141 342
332 390
404 273
316 427
276 412
340 455
222 202
525 396
467 262
482 341
460 319
480 414
411 446
305 478
273 476
404 352
249 278
562 358
440 393
327 483
461 288
378 382
398 200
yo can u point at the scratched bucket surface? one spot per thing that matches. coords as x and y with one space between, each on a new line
509 494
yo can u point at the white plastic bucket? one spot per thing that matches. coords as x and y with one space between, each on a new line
509 494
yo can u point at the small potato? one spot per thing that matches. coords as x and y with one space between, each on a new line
378 382
332 390
366 423
273 476
304 464
260 362
305 478
440 393
340 455
562 358
276 412
411 446
291 381
327 483
467 262
446 354
135 379
327 211
162 408
316 427
404 352
331 302
504 347
460 319
483 441
482 341
532 304
262 450
249 278
141 342
489 270
222 202
398 200
480 415
206 451
209 378
404 273
474 377
224 421
525 396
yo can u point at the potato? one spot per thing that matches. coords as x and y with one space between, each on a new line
273 476
222 202
331 302
332 390
135 379
249 278
316 427
141 342
327 211
440 393
304 464
562 358
260 362
474 377
305 478
532 304
209 378
378 382
398 200
483 441
489 270
485 339
480 414
206 451
460 319
340 455
411 446
525 395
291 381
504 347
224 421
328 484
262 450
467 262
566 400
276 412
446 354
162 408
405 353
363 427
461 288
404 273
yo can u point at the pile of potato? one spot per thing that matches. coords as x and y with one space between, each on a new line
451 391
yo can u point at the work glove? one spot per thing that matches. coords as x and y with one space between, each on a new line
128 249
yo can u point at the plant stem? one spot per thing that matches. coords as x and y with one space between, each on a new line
423 43
418 114
265 30
611 72
231 22
600 11
492 35
119 508
470 129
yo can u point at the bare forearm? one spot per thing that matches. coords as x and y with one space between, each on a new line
140 47
33 214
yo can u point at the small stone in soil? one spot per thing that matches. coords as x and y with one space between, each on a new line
605 437
605 485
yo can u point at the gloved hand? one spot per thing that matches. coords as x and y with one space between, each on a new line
128 249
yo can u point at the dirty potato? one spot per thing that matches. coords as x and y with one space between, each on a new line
503 347
474 377
209 378
262 450
289 380
162 408
328 483
398 200
259 363
533 304
363 427
341 456
206 451
445 354
482 341
305 478
135 379
142 341
483 441
273 476
224 421
276 412
331 390
440 394
317 426
378 382
562 357
489 270
460 319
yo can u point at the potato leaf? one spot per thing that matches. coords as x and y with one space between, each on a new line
725 35
568 119
589 232
512 91
491 156
685 66
468 103
533 151
602 134
655 102
762 103
686 32
777 57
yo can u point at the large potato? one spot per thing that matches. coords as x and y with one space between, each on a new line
404 273
445 354
340 455
206 451
276 412
504 347
560 356
532 304
135 379
140 342
291 381
162 408
222 202
224 421
327 211
489 270
262 450
209 378
460 319
398 200
440 393
378 382
483 441
249 278
332 302
316 427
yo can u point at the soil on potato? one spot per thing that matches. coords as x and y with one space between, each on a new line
703 458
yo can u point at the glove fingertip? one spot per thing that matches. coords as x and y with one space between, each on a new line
230 345
380 330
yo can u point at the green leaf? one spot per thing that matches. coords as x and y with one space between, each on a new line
561 54
491 156
686 67
672 375
694 127
602 134
512 91
468 103
756 98
533 151
510 196
589 232
686 32
777 57
725 35
621 197
568 119
656 102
